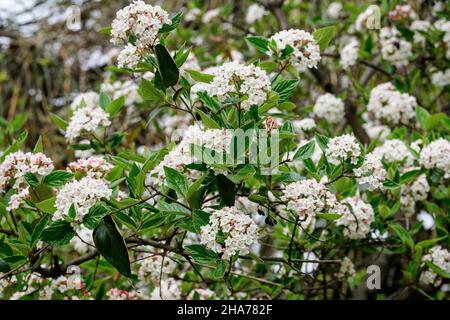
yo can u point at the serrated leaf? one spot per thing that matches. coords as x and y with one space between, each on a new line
324 36
58 233
305 151
57 178
176 181
201 254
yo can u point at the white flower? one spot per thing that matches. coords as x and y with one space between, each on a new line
83 194
307 198
402 12
441 78
419 26
367 17
349 54
192 14
356 220
306 50
393 49
371 172
240 232
86 120
95 167
84 241
129 57
343 148
210 14
375 130
255 12
437 155
141 20
152 264
237 80
117 294
412 193
334 10
89 98
170 290
304 125
330 108
439 257
388 104
347 269
14 168
394 150
127 89
426 219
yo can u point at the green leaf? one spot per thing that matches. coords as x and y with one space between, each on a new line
305 151
148 91
57 178
104 100
436 269
176 181
285 88
115 106
167 67
433 121
4 266
212 103
58 233
15 146
271 101
31 179
220 270
176 19
62 124
322 141
201 254
227 190
200 77
259 43
410 176
96 213
47 206
105 30
110 244
323 36
207 121
404 236
38 147
38 229
328 216
421 116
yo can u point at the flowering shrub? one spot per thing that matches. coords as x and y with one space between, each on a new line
285 158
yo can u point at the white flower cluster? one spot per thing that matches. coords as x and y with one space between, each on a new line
94 167
366 19
235 79
356 217
87 117
84 241
334 10
89 98
14 168
140 21
343 148
170 289
441 78
371 172
347 269
304 125
394 150
402 12
151 265
412 193
240 232
439 257
349 54
117 294
306 198
62 285
437 155
127 89
443 25
83 194
255 12
388 104
306 50
330 108
393 48
181 155
419 26
172 123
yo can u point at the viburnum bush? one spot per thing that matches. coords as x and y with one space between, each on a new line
344 164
